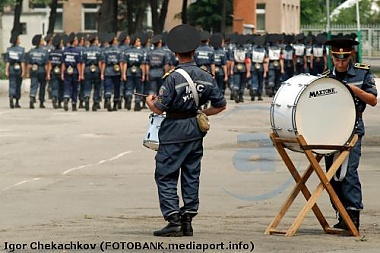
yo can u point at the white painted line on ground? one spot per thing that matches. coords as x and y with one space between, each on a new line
21 183
95 164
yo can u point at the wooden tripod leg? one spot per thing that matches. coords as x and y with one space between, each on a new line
300 186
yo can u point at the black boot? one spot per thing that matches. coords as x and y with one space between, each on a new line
260 98
236 96
137 107
128 102
144 105
11 104
31 103
355 217
95 107
87 103
115 105
173 229
17 105
42 106
241 99
252 98
186 219
74 107
80 104
66 104
108 104
59 105
54 101
119 104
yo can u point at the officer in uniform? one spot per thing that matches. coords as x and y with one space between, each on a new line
49 47
300 52
309 41
134 73
240 69
124 40
221 76
37 65
259 57
92 59
288 53
158 63
111 72
204 55
275 65
71 72
181 140
54 72
15 69
359 79
319 63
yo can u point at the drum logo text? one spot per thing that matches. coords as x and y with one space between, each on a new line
320 93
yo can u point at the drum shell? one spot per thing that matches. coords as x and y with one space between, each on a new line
321 109
151 139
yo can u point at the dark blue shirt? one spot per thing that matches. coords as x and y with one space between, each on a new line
91 56
157 59
134 57
204 55
15 54
111 56
71 56
38 56
220 61
175 96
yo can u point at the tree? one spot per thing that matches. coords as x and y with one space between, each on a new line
158 20
314 11
16 19
107 16
209 15
184 12
368 15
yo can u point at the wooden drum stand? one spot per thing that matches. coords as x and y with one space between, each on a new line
312 198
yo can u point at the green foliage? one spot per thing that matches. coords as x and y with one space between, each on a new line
314 11
367 15
208 14
4 3
2 70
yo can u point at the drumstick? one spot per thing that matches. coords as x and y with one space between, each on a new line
141 95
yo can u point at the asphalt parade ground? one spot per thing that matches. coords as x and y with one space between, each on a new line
83 182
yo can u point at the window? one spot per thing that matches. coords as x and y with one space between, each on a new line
90 17
260 18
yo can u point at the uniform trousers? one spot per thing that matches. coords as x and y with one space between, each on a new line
173 161
57 87
91 82
71 87
38 83
134 84
15 82
112 86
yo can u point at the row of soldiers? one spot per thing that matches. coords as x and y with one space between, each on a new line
109 67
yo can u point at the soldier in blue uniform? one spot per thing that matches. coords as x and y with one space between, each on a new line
204 55
359 79
288 56
221 75
300 53
15 69
275 65
319 52
158 63
111 72
91 58
134 73
71 72
54 72
259 58
181 140
37 65
124 40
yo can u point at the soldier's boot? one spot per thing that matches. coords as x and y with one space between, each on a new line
87 103
128 102
59 104
108 104
173 229
80 104
137 107
66 104
42 106
252 98
54 102
98 105
241 99
115 105
17 105
144 105
260 98
74 107
187 229
355 217
11 104
119 104
236 96
94 106
31 103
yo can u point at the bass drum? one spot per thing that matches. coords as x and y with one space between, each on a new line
151 140
321 109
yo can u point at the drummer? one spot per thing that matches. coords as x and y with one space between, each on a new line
181 141
359 79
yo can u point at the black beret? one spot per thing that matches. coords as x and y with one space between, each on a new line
48 37
36 39
164 36
259 40
92 37
122 36
13 38
299 37
321 38
341 47
110 38
57 40
216 40
183 39
241 39
156 38
71 38
205 35
143 38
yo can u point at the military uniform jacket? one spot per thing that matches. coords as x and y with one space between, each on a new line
157 59
239 55
38 58
175 96
257 55
91 57
299 51
55 58
318 52
134 57
15 56
204 56
274 55
173 61
360 76
71 56
112 57
220 61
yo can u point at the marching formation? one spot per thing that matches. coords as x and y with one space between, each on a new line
84 69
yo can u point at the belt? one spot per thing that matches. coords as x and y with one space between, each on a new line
180 115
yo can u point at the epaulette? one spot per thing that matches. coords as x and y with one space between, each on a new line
167 74
362 66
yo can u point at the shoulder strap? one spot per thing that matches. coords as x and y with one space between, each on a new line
191 84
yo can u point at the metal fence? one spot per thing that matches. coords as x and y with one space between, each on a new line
370 34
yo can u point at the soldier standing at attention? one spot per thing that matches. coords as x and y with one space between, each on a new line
91 58
181 140
15 69
54 72
221 76
71 72
37 66
259 58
